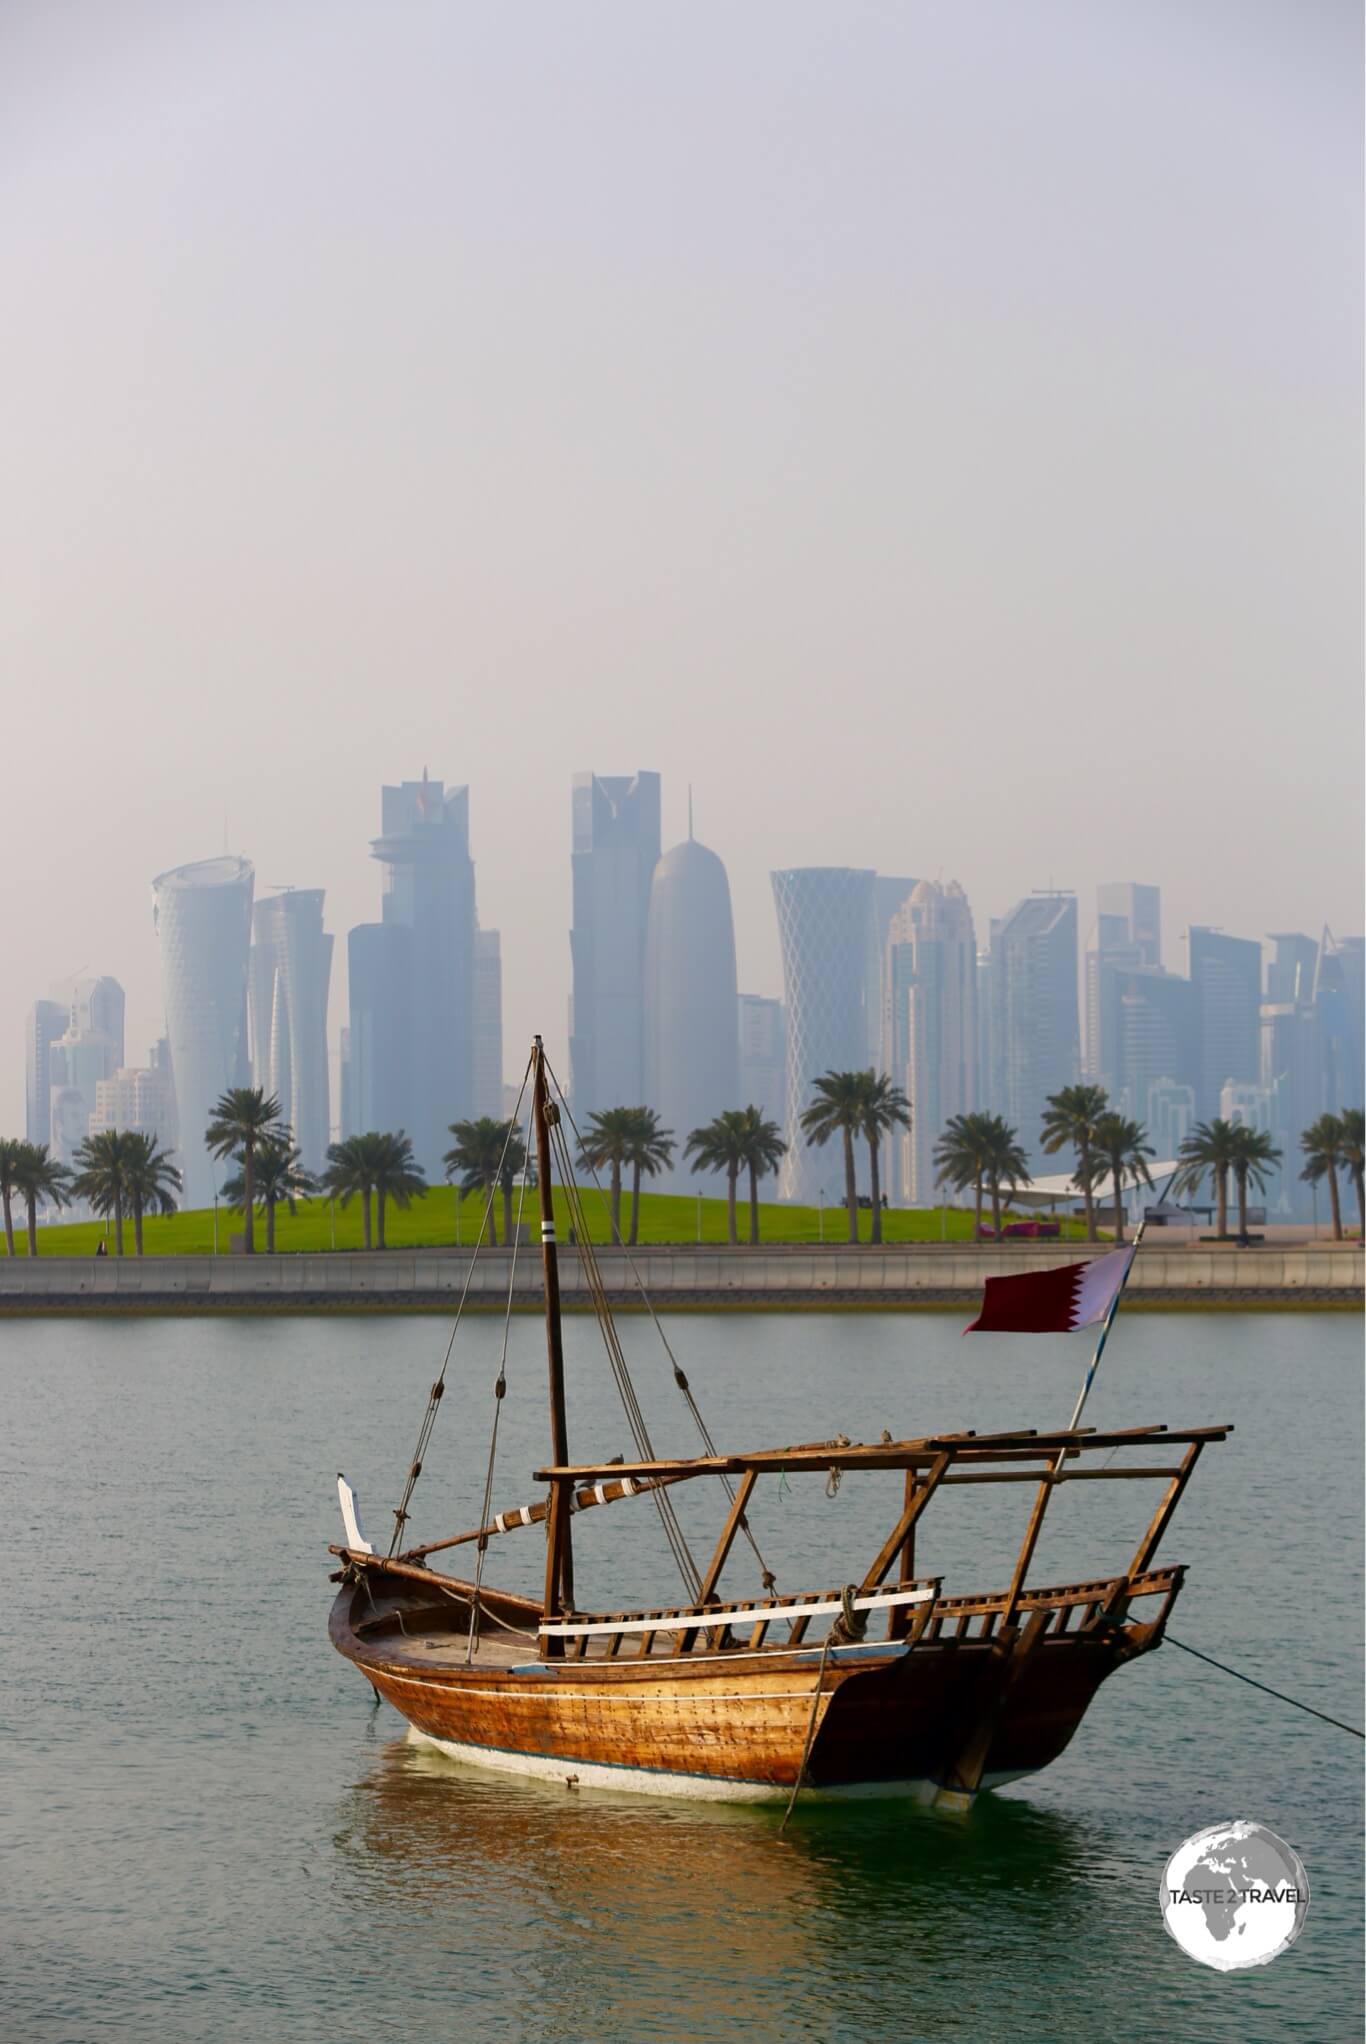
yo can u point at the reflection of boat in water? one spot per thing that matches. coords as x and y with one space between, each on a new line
881 1685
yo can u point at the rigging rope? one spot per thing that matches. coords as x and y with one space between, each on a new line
1265 1687
499 1393
424 1432
766 1574
635 1418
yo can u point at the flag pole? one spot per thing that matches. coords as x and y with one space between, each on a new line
1109 1319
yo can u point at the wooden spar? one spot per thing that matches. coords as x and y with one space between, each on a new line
534 1515
915 1505
1147 1546
735 1519
816 1457
559 1553
1031 1540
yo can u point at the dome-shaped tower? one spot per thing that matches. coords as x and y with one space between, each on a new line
692 1051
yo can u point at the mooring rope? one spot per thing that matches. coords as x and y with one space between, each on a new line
1265 1687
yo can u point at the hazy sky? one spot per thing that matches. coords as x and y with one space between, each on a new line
933 430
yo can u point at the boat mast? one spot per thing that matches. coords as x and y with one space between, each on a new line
559 1558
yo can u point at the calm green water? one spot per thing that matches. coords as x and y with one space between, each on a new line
209 1835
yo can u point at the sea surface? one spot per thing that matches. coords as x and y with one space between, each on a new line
208 1833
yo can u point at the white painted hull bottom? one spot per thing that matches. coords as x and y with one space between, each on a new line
704 1788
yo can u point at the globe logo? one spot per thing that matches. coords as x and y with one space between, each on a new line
1235 1895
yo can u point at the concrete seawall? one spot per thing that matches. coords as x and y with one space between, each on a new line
677 1276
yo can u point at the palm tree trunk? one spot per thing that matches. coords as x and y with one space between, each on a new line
1117 1172
850 1184
490 1211
118 1227
635 1202
977 1222
732 1176
1359 1181
6 1199
270 1227
365 1217
616 1199
996 1206
507 1210
1335 1202
248 1195
1221 1201
137 1226
875 1187
1084 1161
753 1205
32 1204
380 1202
1240 1182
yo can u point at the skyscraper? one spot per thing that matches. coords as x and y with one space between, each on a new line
488 1024
97 1008
379 971
692 1064
1226 973
763 1057
1340 997
47 1021
1138 910
417 990
825 916
615 844
289 972
929 1034
203 923
1035 1036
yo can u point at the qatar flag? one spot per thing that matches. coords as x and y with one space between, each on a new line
1053 1301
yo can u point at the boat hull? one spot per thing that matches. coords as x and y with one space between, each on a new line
869 1720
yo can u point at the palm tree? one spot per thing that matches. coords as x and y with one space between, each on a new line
837 1108
1209 1150
398 1177
763 1150
350 1174
981 1151
610 1141
104 1171
487 1154
279 1178
1070 1122
244 1120
38 1176
651 1151
722 1145
10 1148
1254 1154
1324 1144
153 1180
885 1107
1124 1146
1353 1130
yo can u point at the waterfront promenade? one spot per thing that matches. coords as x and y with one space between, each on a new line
779 1275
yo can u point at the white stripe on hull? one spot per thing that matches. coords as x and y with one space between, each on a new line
692 1787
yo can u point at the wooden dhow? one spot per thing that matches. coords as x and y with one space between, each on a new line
881 1685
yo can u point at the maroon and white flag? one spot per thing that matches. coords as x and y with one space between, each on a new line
1052 1301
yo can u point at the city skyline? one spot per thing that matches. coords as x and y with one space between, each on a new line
919 539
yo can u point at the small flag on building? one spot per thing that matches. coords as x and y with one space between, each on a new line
1053 1301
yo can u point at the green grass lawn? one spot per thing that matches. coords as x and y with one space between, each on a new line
432 1220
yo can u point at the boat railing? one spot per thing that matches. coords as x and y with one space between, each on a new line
1089 1603
714 1620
